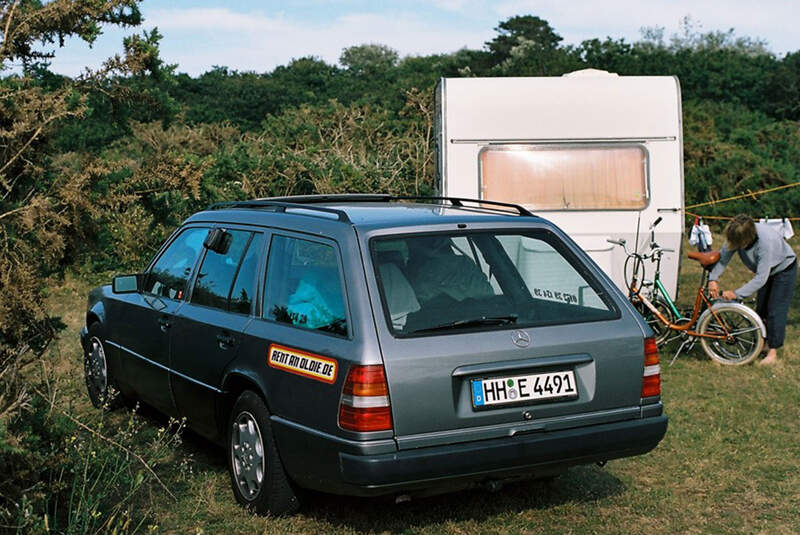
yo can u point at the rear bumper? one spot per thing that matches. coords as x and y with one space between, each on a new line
460 464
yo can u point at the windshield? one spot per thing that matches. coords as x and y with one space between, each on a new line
483 280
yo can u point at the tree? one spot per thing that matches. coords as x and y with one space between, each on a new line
368 59
783 88
535 33
40 209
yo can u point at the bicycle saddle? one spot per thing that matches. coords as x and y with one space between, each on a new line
706 259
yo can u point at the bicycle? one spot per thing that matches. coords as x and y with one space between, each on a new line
729 332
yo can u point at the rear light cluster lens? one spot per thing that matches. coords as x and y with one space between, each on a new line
365 400
651 380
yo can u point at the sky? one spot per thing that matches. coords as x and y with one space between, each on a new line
251 35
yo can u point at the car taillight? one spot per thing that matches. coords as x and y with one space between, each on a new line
651 380
365 400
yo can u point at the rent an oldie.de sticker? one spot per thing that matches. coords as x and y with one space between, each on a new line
302 363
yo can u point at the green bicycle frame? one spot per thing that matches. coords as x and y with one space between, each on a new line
665 295
659 288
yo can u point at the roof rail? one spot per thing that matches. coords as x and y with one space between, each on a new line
334 197
459 202
281 206
307 202
385 197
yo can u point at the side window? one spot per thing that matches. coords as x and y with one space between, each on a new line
244 288
172 270
304 285
215 278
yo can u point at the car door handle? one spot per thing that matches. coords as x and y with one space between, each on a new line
165 324
225 340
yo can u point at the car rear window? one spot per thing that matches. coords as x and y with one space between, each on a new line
436 283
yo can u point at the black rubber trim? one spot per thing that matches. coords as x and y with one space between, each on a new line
558 448
84 338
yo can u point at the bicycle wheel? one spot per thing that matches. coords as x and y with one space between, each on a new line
633 267
661 330
743 324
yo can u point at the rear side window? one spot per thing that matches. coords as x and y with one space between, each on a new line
171 272
218 271
304 285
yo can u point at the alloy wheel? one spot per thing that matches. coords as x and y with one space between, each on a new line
247 454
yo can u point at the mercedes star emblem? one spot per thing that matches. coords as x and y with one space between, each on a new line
520 339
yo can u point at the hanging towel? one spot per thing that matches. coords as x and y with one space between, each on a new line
782 225
701 235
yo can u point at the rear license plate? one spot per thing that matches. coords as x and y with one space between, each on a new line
524 388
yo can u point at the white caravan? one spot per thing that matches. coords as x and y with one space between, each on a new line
592 151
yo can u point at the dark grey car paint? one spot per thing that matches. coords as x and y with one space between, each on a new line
431 405
142 338
428 377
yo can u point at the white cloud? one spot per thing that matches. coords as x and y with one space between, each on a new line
253 41
451 5
211 19
774 20
198 38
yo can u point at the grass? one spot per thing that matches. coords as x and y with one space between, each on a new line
727 465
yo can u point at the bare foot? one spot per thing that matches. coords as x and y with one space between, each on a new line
770 359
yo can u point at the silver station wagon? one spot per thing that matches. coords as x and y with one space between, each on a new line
369 345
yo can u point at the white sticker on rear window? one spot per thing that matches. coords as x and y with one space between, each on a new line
302 363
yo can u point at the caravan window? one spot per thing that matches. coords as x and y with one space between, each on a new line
566 178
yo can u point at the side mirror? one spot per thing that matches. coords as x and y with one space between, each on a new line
126 284
218 240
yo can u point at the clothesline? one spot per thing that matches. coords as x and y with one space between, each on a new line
727 218
751 194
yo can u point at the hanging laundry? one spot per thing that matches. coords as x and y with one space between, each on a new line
701 236
782 225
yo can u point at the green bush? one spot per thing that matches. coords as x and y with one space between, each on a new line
62 477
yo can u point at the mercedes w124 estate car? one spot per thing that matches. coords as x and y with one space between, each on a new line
371 345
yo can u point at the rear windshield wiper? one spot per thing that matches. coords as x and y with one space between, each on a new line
474 322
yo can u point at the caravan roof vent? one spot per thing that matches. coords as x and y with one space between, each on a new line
589 72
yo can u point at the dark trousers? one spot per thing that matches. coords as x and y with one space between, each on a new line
773 303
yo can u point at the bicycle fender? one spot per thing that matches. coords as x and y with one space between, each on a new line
730 305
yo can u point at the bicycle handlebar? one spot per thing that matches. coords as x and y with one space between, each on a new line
659 250
653 253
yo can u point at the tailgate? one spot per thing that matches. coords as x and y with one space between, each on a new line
436 382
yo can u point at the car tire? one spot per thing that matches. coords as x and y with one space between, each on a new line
100 384
258 478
